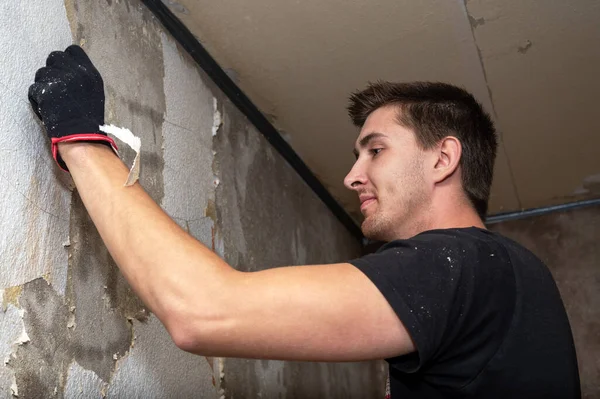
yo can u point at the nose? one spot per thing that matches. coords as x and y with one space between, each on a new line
355 178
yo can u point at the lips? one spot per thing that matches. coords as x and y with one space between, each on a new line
366 201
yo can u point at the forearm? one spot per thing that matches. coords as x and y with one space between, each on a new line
170 270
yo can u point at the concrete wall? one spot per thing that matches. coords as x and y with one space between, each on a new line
267 218
568 243
69 324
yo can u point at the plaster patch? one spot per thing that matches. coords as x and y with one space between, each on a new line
12 331
40 365
34 208
190 104
99 301
245 157
82 383
187 144
156 368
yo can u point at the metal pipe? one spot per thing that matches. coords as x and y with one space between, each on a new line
503 217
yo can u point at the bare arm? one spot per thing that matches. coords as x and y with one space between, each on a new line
327 312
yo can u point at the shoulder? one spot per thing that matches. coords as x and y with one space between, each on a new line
443 284
455 247
452 262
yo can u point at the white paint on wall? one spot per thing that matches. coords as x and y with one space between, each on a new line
82 383
34 206
12 333
217 120
187 144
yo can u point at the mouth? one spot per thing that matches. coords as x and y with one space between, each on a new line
366 202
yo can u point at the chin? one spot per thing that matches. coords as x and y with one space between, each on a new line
375 230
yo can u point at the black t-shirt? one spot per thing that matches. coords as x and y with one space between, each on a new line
484 313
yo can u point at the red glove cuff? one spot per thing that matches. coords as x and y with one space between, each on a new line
89 137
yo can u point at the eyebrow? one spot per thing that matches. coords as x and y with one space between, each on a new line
365 141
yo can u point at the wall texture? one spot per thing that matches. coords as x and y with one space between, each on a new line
69 324
267 219
568 243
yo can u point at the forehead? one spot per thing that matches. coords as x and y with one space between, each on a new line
384 120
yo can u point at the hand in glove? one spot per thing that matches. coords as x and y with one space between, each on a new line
68 97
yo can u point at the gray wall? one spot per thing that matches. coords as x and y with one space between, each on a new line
568 242
69 324
266 218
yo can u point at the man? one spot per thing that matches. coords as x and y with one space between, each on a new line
456 310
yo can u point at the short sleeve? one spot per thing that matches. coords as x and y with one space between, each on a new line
420 278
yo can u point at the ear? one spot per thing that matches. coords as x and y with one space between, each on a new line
448 158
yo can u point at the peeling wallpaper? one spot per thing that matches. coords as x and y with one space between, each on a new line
69 324
31 196
11 327
34 205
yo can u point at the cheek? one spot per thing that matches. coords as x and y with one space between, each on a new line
397 175
406 180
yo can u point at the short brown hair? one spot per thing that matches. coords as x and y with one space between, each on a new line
433 111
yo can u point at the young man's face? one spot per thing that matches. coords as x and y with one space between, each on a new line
389 177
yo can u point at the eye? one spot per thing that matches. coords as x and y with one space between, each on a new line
375 151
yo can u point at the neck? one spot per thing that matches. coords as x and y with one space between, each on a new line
443 215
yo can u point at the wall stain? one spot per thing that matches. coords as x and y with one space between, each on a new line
475 22
101 327
11 297
40 365
525 47
211 210
121 297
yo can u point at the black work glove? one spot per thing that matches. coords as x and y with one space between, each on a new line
68 97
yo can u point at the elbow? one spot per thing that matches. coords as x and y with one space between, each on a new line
185 341
198 334
201 321
185 332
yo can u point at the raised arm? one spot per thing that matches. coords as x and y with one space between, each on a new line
325 312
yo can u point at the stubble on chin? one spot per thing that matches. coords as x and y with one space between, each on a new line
388 227
375 227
